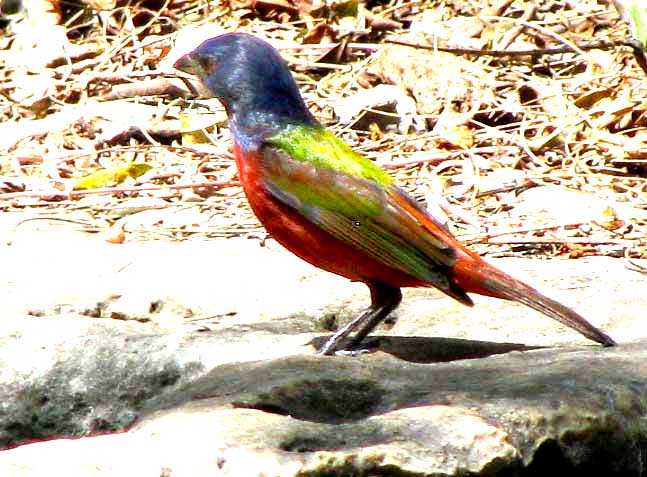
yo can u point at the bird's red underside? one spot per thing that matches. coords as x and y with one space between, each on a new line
308 241
325 251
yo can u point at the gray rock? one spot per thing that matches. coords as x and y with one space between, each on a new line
221 379
574 409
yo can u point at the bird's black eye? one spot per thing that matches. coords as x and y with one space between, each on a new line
356 223
208 65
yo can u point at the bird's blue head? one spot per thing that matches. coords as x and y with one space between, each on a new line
248 76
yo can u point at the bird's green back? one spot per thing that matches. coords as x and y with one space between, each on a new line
323 150
346 195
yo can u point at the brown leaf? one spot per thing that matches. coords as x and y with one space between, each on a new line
115 234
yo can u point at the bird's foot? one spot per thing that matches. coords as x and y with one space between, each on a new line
344 347
352 352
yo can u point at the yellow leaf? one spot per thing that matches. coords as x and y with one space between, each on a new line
111 176
194 126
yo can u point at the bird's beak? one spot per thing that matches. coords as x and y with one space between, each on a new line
186 64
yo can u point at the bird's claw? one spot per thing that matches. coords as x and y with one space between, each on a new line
352 352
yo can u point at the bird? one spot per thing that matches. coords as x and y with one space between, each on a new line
335 208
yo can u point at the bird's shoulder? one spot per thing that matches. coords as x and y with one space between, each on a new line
317 147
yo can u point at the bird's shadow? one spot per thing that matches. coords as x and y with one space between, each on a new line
420 349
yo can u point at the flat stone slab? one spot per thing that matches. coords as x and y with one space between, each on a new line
202 350
575 410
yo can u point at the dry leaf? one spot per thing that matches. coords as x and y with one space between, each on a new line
114 175
115 234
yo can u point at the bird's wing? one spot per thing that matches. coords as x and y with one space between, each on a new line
382 221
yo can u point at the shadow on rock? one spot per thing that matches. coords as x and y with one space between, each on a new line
421 349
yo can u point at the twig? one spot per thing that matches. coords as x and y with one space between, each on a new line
556 240
523 230
156 87
330 46
439 157
433 159
86 225
597 45
512 34
114 190
527 184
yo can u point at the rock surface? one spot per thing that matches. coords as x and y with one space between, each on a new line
201 350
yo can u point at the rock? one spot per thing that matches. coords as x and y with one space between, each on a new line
539 411
222 379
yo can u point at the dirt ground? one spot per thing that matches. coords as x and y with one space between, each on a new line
529 94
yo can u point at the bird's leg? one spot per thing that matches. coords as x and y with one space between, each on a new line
384 299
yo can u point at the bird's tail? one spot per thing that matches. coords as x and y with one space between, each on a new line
475 275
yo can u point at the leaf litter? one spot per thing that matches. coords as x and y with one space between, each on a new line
531 139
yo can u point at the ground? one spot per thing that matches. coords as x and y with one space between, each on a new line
90 89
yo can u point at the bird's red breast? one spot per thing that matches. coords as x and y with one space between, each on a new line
306 240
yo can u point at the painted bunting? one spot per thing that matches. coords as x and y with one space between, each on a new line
335 208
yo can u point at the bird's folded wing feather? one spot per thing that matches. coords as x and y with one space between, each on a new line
382 221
